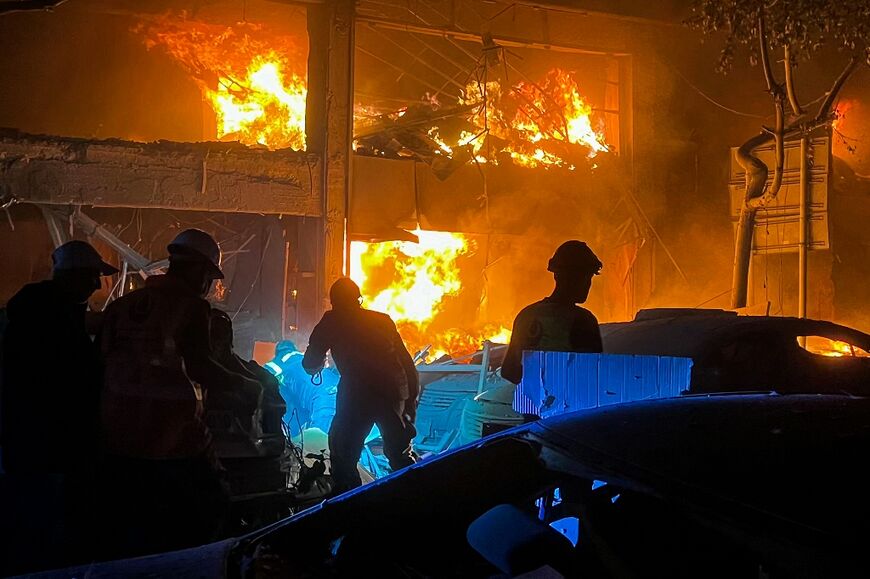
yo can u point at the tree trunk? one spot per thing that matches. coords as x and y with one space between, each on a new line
756 178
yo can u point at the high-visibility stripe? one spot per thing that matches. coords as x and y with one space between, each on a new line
286 357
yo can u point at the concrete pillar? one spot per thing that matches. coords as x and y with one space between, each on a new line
330 102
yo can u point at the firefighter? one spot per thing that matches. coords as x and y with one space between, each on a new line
273 405
378 385
557 323
50 416
166 486
310 403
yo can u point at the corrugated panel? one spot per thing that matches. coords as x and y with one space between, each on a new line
558 382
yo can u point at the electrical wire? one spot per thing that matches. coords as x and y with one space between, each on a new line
711 99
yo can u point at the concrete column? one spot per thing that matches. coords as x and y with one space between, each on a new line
338 49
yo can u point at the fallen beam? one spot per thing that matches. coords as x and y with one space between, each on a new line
226 177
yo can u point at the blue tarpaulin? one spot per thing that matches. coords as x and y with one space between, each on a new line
558 382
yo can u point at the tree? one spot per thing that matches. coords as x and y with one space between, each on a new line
9 6
797 28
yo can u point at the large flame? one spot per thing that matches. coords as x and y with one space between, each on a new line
266 107
256 91
411 282
552 111
545 124
425 273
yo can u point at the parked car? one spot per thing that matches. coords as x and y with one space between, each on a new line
749 353
740 485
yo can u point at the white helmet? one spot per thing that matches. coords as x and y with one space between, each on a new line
195 244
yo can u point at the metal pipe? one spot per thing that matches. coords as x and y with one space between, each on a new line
803 245
59 235
123 278
94 229
484 366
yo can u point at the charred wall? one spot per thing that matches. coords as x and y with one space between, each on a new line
85 72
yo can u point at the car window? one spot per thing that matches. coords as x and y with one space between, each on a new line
831 348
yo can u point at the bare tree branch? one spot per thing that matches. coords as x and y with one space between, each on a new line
765 58
10 6
825 108
789 83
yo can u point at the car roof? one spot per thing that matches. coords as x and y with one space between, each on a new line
689 332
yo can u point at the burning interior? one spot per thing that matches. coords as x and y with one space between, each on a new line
434 160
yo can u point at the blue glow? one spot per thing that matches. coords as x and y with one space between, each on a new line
308 405
615 498
597 484
375 433
570 527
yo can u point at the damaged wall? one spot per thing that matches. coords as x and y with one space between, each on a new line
204 176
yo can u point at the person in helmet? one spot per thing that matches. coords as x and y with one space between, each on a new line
268 429
50 417
310 403
379 382
159 368
557 323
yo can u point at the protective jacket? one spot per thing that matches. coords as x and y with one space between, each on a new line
368 352
155 343
550 326
51 383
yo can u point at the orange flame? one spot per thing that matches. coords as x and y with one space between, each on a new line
551 112
256 94
411 282
264 108
833 348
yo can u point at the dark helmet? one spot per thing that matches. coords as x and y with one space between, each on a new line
197 245
77 254
574 256
343 292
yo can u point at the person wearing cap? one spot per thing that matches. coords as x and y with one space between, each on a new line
379 383
557 323
50 416
168 485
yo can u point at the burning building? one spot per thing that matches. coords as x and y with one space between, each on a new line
436 153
